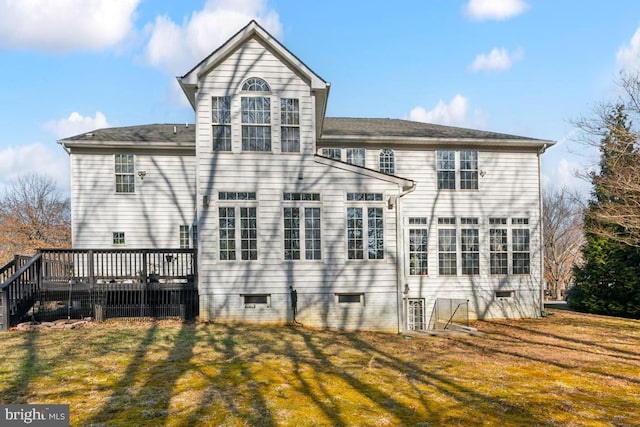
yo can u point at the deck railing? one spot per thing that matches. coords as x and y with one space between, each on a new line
99 283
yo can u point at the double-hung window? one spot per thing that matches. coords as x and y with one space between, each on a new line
470 246
418 245
124 173
302 226
452 175
447 247
255 112
498 249
365 226
290 125
184 237
356 156
520 241
221 122
332 153
237 226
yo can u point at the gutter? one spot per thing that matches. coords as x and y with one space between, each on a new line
400 277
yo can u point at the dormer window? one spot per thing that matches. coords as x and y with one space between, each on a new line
255 84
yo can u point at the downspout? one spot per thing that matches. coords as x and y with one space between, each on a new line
541 226
400 257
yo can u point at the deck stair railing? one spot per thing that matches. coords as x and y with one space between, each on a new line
72 283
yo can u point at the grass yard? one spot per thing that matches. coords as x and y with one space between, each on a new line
567 369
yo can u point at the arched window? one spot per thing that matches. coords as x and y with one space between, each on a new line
255 84
387 161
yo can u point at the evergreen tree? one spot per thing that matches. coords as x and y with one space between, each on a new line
609 280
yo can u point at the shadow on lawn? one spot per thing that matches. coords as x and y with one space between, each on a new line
16 390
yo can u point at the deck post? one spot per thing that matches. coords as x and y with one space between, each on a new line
4 309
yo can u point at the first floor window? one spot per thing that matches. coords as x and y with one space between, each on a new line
498 251
296 218
124 171
470 247
520 244
118 238
418 244
447 265
356 233
238 242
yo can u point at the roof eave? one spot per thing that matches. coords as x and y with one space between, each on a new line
428 141
146 145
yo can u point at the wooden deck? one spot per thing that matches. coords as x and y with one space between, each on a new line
71 284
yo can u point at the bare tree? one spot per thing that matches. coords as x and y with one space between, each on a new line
615 212
563 238
33 215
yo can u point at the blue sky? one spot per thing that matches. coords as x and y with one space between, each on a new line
515 66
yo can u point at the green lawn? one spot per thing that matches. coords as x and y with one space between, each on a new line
565 369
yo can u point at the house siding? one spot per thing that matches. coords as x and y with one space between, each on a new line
149 217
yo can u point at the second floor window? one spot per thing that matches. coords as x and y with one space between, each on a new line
256 123
451 176
221 122
290 125
387 161
332 153
356 156
124 171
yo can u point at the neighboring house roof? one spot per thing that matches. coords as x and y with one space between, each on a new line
339 130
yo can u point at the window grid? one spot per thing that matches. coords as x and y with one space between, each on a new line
256 123
227 225
468 170
520 249
194 235
255 84
184 237
312 234
301 196
418 255
237 195
447 256
291 233
355 233
356 156
369 197
221 122
416 319
332 153
124 172
470 251
498 251
249 233
290 125
375 227
387 161
446 170
118 238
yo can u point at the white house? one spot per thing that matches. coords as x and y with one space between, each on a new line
369 220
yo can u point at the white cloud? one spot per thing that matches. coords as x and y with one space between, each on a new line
76 124
452 114
499 59
176 47
47 160
629 55
481 10
64 25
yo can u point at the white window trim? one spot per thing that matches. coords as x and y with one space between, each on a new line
364 205
237 205
302 204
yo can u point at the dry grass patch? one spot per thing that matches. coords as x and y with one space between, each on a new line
566 369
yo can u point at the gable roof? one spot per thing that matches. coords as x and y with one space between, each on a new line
320 88
343 129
